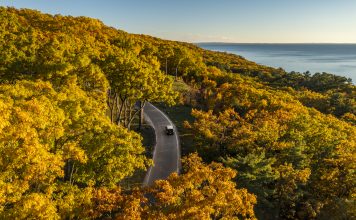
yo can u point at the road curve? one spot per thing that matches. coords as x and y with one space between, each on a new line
166 154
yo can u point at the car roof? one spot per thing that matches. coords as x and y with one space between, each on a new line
169 127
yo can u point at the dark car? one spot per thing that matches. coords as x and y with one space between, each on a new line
169 130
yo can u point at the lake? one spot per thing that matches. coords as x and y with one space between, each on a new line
339 59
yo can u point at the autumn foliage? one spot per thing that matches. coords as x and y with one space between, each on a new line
270 144
201 192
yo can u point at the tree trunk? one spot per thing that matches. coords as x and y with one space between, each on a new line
111 105
130 115
166 65
71 181
118 119
140 110
177 69
125 114
141 116
114 104
68 170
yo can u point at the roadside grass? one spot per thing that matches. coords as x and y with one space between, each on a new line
181 87
178 114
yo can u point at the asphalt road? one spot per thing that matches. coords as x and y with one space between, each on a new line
166 154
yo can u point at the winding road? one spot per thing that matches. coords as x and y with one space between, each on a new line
166 154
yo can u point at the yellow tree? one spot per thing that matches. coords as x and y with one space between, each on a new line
165 52
31 122
202 192
50 140
135 80
258 130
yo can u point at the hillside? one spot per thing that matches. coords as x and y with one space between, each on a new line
270 144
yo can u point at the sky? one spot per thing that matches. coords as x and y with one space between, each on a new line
240 21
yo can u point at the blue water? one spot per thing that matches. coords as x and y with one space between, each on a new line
339 59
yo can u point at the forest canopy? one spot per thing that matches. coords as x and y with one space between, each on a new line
269 144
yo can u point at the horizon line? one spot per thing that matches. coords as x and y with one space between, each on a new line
220 42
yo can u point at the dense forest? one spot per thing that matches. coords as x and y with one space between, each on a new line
268 144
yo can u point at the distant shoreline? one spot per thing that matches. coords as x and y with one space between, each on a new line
335 58
227 43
